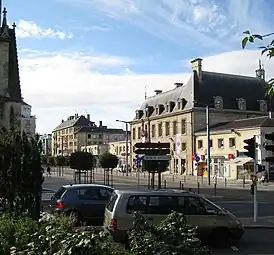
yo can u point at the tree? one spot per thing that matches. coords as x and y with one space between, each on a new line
108 161
21 173
60 162
51 161
81 160
44 160
267 50
153 166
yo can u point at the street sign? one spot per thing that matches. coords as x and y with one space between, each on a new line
152 145
197 158
156 158
152 151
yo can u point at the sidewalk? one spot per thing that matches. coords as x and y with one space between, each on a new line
262 222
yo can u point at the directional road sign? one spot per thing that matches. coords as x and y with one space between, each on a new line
152 158
152 145
152 151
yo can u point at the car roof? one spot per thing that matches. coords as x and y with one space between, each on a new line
156 192
75 186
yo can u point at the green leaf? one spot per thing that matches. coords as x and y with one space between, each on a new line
246 32
258 37
244 42
251 39
264 51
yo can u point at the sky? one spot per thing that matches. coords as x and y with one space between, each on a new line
98 57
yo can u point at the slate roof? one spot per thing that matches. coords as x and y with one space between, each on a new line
229 87
102 129
76 121
263 121
176 94
14 87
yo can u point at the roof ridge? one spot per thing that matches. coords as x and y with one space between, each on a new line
234 75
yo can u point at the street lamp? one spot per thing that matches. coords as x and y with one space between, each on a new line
126 122
208 139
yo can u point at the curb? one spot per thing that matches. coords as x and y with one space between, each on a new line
258 226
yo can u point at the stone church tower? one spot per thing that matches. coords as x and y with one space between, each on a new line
10 90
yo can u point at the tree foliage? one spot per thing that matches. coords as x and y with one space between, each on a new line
81 160
267 50
51 161
154 166
170 237
108 160
21 174
44 160
60 161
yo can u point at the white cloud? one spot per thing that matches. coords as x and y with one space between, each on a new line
27 29
59 84
205 22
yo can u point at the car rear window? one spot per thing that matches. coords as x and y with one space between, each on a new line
110 205
60 192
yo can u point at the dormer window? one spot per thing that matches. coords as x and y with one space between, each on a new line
149 110
242 104
161 108
139 114
263 105
171 106
218 102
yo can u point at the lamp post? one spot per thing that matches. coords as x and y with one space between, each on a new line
208 139
126 122
208 143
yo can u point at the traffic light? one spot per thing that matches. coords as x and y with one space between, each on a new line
250 147
269 147
252 189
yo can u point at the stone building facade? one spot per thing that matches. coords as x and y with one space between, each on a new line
174 116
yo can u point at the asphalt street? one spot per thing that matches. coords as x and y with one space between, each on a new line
254 242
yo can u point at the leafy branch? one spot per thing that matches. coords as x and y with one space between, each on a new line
267 50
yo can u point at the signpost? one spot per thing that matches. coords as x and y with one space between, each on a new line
154 152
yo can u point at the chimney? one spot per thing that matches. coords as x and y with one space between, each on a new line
62 121
197 66
157 91
178 84
100 123
88 117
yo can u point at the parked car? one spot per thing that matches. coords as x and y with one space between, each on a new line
86 202
213 222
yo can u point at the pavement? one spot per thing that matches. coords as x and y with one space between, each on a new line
258 238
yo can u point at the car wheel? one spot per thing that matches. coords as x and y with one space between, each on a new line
220 237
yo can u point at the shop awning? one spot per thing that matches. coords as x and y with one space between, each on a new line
239 161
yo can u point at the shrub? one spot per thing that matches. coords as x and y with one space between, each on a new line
170 237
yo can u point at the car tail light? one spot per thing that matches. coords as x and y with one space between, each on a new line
113 224
60 205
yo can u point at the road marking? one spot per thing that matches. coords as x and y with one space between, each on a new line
234 248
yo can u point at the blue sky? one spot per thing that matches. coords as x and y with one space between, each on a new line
98 56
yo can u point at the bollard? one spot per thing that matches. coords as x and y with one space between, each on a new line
148 183
184 179
215 189
180 187
165 184
173 177
144 174
243 181
198 188
225 182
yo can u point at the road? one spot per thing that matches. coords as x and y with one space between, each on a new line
255 240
